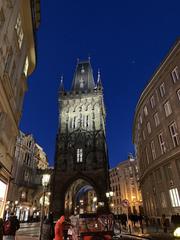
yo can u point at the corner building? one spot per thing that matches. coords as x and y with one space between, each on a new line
156 136
19 20
81 161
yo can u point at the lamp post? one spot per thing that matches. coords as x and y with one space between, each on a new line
45 182
109 195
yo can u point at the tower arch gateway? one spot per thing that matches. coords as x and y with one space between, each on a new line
81 160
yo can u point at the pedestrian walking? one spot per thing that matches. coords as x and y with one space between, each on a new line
48 229
1 228
10 227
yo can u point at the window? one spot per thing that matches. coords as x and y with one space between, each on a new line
163 200
156 119
19 31
2 17
178 94
144 136
162 89
174 196
162 143
167 108
79 155
145 111
87 121
153 150
140 119
74 122
26 66
147 156
175 74
152 101
174 134
149 127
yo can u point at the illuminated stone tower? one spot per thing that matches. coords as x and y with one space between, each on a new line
81 160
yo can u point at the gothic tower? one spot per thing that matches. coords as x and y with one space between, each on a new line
81 159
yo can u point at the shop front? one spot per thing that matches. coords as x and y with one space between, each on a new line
3 193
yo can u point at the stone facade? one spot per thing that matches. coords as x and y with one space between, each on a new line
18 21
124 180
156 138
25 188
81 151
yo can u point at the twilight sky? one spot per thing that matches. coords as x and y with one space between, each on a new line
127 40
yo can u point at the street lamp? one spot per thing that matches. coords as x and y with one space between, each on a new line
109 195
45 182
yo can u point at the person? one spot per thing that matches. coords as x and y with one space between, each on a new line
1 228
48 228
10 227
59 227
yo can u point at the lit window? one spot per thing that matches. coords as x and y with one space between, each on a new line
156 119
26 66
145 111
149 127
152 100
175 74
167 108
174 196
153 150
162 143
19 31
2 17
174 134
79 155
178 94
162 89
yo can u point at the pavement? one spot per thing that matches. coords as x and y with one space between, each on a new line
30 231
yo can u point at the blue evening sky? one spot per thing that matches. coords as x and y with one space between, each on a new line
127 40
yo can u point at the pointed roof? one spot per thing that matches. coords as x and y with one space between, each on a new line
99 83
83 77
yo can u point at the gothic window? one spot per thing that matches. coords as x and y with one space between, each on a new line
87 121
152 100
145 111
149 127
79 155
74 122
153 150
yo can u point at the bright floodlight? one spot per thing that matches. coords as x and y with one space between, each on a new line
45 179
94 199
107 194
177 232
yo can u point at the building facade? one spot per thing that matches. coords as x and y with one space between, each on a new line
19 20
124 180
25 190
81 161
156 138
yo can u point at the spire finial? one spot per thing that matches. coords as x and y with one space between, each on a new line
89 58
62 84
99 76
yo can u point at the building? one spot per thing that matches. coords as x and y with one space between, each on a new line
81 161
41 157
124 180
25 190
19 20
156 137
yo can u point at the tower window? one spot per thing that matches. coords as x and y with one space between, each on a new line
153 150
162 143
19 31
79 155
152 100
156 119
167 108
